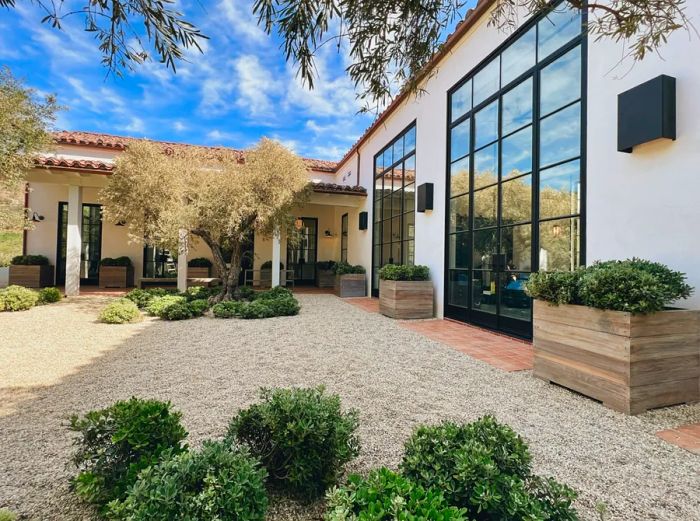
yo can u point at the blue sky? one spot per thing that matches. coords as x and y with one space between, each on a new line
239 90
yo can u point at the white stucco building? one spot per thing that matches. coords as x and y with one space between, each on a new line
518 135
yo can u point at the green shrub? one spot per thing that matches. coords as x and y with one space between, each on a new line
404 272
246 292
5 260
198 307
199 293
30 260
17 298
49 295
557 287
325 265
120 311
6 515
273 293
199 262
228 309
267 265
484 467
119 261
283 306
214 483
114 444
140 297
301 436
159 304
178 311
387 496
345 268
255 309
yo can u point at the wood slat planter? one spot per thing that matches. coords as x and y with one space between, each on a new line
200 272
325 278
116 276
631 363
404 299
351 285
31 276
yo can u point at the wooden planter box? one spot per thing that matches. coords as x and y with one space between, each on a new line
351 285
325 279
116 276
198 272
404 299
31 276
631 363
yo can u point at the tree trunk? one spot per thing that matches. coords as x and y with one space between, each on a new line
228 275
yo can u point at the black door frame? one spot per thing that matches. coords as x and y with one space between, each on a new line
60 259
311 281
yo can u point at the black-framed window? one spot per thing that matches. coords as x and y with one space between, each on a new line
394 203
344 238
515 161
159 263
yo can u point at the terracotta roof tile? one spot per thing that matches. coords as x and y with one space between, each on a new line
332 188
73 164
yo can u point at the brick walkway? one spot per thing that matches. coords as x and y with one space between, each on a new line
497 350
686 437
371 305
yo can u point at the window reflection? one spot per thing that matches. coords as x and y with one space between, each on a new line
484 294
560 136
516 200
518 58
560 188
516 157
486 166
459 140
561 82
517 107
459 213
516 246
461 101
486 125
486 81
514 300
485 246
410 140
409 198
485 207
459 177
556 29
560 244
459 250
458 288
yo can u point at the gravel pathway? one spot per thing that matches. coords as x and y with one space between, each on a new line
56 360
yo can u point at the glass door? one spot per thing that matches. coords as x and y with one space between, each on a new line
301 258
91 248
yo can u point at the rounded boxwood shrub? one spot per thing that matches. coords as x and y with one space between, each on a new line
199 262
276 292
557 287
345 268
158 305
140 297
198 307
255 309
302 437
120 311
199 292
119 261
387 496
30 260
17 298
283 306
116 443
215 483
404 272
49 295
177 311
228 309
484 467
246 292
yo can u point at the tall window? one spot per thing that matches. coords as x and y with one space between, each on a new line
394 203
159 263
344 238
514 174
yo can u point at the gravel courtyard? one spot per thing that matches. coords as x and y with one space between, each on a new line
57 360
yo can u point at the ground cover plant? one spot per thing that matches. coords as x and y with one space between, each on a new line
49 295
18 298
216 482
633 285
404 272
302 437
114 444
120 311
275 302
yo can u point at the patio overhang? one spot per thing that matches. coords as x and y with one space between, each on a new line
338 195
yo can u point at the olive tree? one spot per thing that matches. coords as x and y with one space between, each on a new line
217 196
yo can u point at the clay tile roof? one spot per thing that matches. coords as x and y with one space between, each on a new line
73 164
332 188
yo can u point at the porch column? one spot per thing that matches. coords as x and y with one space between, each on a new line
182 261
276 257
74 240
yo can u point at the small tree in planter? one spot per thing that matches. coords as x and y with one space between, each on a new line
31 271
199 268
606 331
350 281
325 277
405 292
116 273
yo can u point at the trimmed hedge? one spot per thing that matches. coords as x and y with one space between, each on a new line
114 444
199 262
119 261
275 302
120 311
213 483
345 268
228 309
267 265
404 272
158 305
49 295
301 436
325 265
30 260
17 298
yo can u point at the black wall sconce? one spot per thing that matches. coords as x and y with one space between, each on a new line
363 220
425 197
646 112
36 217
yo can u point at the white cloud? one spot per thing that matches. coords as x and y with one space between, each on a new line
256 86
179 126
135 126
241 21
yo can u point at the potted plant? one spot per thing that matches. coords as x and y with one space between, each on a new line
116 273
199 268
31 271
350 281
325 277
266 273
606 331
405 292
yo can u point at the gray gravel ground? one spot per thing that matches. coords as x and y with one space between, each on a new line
209 368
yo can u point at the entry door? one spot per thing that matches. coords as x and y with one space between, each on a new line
91 249
302 257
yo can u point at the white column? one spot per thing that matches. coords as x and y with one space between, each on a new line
182 261
276 257
74 241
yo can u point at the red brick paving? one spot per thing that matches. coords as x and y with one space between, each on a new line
686 437
369 304
506 353
312 290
